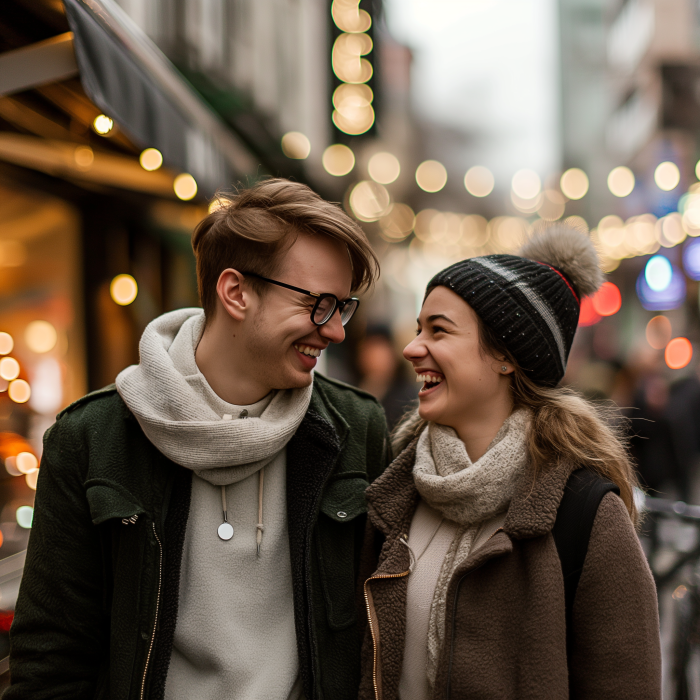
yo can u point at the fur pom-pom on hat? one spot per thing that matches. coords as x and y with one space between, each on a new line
569 251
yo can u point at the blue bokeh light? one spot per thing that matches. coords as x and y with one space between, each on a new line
691 258
669 298
658 273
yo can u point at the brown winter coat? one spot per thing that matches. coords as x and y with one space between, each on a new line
505 620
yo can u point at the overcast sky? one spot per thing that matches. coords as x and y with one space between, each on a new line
489 68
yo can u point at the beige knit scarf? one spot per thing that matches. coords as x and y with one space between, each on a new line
182 416
468 493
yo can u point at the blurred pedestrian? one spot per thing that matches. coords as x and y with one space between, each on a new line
507 563
196 528
382 373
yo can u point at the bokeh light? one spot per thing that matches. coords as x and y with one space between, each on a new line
9 368
678 353
397 223
353 113
185 187
32 479
526 184
40 336
621 181
296 145
588 316
102 124
338 160
667 176
691 259
151 159
671 297
347 61
384 167
25 515
26 463
658 273
670 231
552 206
658 332
84 157
369 200
431 176
19 391
11 466
574 183
607 300
348 17
479 181
123 289
6 343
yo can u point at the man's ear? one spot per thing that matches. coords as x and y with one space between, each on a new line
233 296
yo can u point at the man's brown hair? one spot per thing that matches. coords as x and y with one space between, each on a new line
252 228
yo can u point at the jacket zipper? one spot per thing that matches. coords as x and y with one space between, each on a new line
370 619
155 621
454 616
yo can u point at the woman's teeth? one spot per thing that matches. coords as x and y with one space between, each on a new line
306 350
428 379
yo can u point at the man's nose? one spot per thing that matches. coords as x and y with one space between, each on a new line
333 330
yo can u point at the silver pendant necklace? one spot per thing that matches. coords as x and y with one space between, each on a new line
225 530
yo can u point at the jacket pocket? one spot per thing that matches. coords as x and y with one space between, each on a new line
109 501
339 537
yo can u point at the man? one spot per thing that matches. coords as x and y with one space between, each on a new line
197 527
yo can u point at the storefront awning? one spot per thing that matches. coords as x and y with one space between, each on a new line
130 80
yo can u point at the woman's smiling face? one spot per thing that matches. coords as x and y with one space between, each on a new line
460 380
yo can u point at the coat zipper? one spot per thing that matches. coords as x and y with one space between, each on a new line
370 619
454 616
155 621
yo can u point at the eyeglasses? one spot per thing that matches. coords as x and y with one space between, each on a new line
325 305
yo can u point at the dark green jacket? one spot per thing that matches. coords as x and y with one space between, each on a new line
98 603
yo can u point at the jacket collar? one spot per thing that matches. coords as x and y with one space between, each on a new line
531 513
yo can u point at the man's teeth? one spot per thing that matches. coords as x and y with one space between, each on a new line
429 378
306 350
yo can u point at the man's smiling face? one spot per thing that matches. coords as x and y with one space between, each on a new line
281 341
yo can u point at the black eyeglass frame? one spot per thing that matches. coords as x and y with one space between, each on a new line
337 303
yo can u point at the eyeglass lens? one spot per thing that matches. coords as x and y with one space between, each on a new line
326 306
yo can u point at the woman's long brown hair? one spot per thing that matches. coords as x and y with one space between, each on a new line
565 426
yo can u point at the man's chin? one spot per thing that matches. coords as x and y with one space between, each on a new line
297 381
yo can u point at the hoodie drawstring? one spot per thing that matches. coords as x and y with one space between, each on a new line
261 482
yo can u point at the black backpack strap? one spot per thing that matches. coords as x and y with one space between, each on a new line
583 493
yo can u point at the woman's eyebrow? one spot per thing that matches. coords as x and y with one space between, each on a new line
435 317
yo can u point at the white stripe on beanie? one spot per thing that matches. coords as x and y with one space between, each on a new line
537 302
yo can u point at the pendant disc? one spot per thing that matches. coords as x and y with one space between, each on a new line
225 531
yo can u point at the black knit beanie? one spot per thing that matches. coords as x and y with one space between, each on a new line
531 300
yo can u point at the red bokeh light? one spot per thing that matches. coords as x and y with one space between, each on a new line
679 352
607 300
588 316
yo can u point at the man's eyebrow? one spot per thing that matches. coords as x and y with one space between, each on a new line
435 317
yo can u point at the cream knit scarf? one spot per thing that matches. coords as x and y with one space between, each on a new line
467 493
182 416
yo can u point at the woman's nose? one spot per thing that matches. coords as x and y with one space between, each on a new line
414 350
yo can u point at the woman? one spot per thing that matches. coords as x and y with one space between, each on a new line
468 598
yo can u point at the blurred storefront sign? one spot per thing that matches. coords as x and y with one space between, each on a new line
126 75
